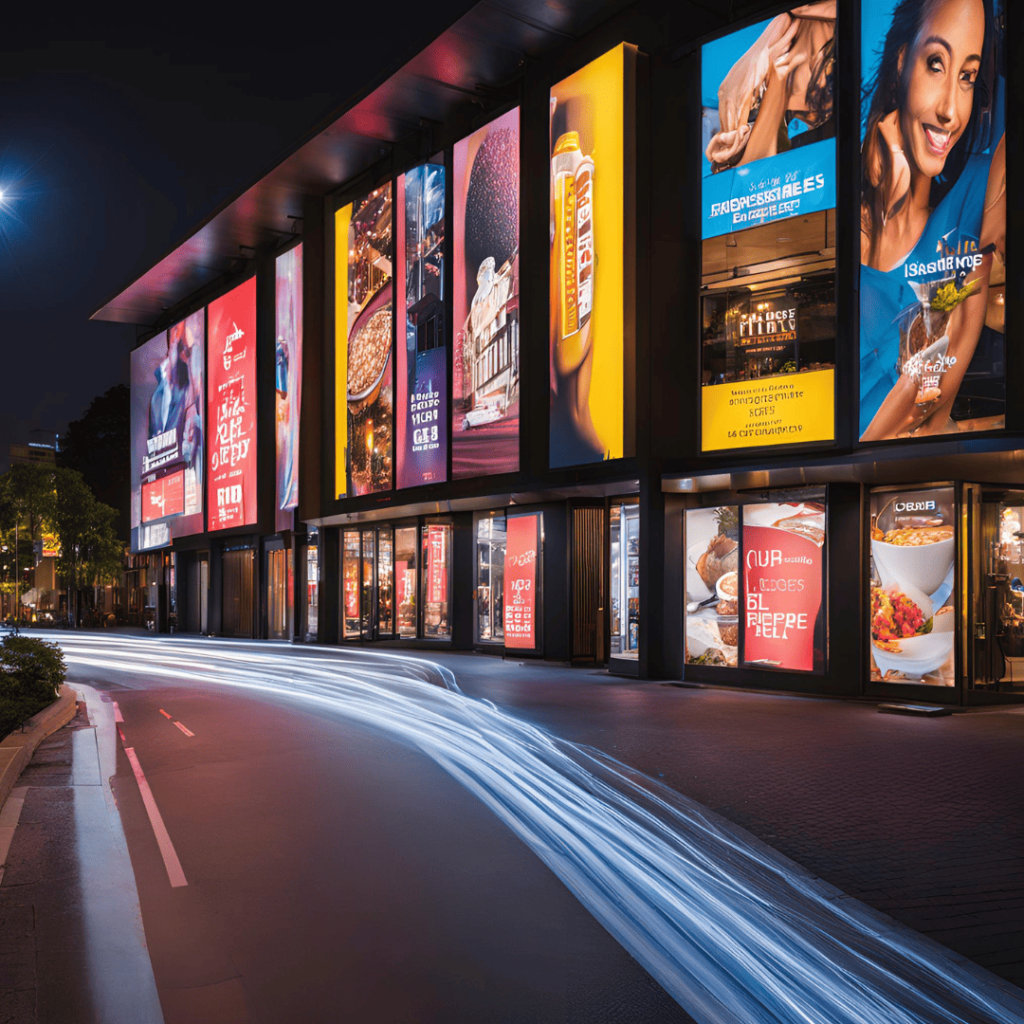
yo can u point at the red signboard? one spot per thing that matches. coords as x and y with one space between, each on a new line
437 564
521 545
231 495
782 574
163 497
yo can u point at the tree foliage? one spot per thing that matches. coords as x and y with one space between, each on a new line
31 673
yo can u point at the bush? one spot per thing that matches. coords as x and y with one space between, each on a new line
31 674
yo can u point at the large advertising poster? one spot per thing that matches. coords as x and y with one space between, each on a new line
783 575
589 178
520 598
933 218
768 196
231 476
288 381
913 585
364 370
712 586
421 419
485 300
167 397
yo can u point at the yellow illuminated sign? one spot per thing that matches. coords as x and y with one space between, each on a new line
793 407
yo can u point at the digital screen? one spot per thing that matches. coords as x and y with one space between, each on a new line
933 219
288 381
712 586
167 397
421 416
768 195
485 370
587 311
231 475
783 585
364 369
520 600
913 586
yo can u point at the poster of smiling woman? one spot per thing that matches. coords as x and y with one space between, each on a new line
932 218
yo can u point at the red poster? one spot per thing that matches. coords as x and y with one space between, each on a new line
163 497
521 581
231 494
782 592
437 564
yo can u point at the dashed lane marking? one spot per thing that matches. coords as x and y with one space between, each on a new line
118 717
183 729
175 874
164 713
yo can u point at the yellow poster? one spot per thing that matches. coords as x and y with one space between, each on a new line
789 408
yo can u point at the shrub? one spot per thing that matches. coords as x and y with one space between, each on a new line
31 673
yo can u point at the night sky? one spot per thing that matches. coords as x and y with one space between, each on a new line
117 137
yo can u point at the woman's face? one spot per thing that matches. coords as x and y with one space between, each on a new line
938 71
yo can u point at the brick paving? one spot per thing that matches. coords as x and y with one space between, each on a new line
921 818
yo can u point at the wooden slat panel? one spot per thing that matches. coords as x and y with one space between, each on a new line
587 563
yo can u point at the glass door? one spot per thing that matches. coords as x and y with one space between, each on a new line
385 583
490 578
350 584
624 534
367 588
405 580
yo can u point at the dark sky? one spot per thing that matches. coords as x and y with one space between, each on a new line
118 136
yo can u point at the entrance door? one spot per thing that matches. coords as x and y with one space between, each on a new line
277 594
237 606
588 584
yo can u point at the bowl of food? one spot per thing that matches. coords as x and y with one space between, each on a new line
918 556
369 350
908 638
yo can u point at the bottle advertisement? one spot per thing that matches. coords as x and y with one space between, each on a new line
231 498
768 195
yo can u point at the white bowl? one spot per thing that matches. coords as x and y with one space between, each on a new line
924 566
920 655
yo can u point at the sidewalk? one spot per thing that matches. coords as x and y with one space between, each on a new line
920 818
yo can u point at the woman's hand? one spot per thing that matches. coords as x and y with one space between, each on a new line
888 167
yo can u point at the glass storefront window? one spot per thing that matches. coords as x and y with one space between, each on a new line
385 583
490 578
312 584
624 534
350 583
437 547
405 580
367 582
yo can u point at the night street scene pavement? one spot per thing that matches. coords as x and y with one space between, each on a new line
242 831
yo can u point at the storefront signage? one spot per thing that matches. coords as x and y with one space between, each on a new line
422 357
231 494
795 407
932 315
591 168
485 300
768 321
288 381
520 588
437 564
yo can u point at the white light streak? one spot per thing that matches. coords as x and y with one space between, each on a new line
732 930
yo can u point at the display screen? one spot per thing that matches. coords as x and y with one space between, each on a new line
522 543
231 474
913 583
421 411
712 586
933 219
587 312
364 369
167 397
288 381
768 195
485 371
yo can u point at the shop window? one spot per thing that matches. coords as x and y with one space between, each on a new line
385 584
437 547
312 584
366 588
624 534
490 578
405 580
350 583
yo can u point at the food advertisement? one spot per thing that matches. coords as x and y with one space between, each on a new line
913 557
485 300
783 575
587 277
288 381
167 397
422 372
364 369
768 192
933 219
712 585
522 543
231 476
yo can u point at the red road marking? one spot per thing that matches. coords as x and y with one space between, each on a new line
183 729
118 717
121 734
164 713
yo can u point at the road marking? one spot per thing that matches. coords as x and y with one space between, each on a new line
175 875
118 717
164 713
120 732
183 729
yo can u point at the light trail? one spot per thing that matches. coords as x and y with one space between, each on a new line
732 930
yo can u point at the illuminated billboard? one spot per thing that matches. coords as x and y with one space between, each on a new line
590 329
768 225
231 473
522 543
485 300
363 367
421 408
288 381
933 219
167 397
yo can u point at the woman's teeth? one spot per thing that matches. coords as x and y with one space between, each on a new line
938 140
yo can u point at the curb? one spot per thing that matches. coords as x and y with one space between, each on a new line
17 749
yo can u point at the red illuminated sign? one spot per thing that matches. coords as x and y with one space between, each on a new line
521 545
163 497
437 564
232 409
